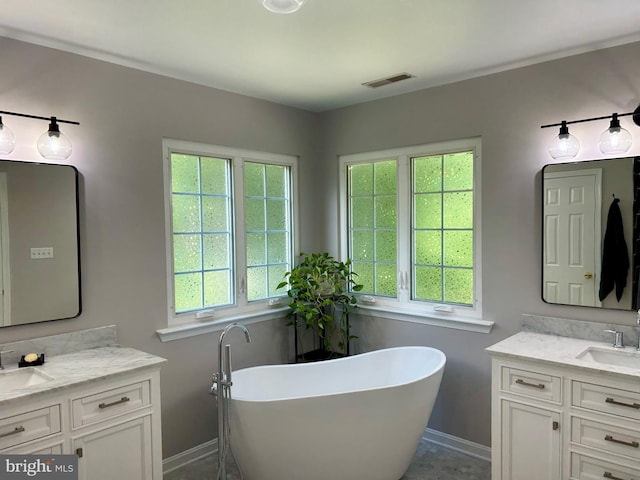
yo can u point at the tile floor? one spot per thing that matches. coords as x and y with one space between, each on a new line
431 462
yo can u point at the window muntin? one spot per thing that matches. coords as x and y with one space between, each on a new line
230 229
202 233
437 227
267 208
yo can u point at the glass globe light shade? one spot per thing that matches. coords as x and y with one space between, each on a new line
282 6
615 139
7 139
52 144
564 145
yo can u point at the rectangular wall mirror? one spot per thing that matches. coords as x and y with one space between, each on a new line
578 266
39 242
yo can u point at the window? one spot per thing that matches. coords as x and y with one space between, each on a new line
230 228
411 227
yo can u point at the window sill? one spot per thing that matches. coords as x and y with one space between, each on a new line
440 320
192 329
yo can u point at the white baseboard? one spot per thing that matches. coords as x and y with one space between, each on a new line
459 444
444 439
188 456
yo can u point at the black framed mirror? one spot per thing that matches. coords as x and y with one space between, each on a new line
590 235
39 242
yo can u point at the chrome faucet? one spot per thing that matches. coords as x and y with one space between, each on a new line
618 341
221 388
1 352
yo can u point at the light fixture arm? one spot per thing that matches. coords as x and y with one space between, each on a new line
635 113
37 117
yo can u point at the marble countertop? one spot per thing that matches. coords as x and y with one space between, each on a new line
560 351
81 367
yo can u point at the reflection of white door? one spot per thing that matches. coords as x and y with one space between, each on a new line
5 285
571 224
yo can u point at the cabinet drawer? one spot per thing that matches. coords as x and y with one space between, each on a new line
606 437
532 384
606 400
588 468
29 426
110 403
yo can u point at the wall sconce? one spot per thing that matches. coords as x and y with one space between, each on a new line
614 140
52 144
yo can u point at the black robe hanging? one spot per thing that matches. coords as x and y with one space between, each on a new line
615 257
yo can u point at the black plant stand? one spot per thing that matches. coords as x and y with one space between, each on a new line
321 353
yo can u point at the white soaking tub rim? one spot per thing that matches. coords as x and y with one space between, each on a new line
437 366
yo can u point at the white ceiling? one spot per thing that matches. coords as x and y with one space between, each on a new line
317 58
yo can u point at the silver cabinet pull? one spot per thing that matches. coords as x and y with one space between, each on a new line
12 432
527 384
611 476
633 444
117 402
622 404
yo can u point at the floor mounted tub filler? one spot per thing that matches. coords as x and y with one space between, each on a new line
354 418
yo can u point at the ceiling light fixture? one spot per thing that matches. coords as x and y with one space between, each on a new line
52 144
614 140
283 6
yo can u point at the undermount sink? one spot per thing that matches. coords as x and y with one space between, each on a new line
628 357
22 378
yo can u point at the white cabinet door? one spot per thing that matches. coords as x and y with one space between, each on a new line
530 442
118 452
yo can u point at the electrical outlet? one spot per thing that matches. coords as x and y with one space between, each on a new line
41 252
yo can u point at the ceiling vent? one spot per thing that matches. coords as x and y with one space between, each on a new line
387 81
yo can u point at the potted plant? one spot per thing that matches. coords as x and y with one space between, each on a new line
320 292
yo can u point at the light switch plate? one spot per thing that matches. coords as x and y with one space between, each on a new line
41 252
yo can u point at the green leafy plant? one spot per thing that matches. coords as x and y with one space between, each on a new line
320 292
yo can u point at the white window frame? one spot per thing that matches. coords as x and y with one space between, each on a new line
402 307
212 319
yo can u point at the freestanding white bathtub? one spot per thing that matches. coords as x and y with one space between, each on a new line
354 418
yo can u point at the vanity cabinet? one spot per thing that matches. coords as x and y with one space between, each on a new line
113 425
556 422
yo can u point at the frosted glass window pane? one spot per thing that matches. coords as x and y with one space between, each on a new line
458 285
364 276
386 246
386 279
214 175
187 252
428 211
427 174
385 212
186 213
276 275
254 214
429 284
458 171
256 249
385 178
254 179
214 214
458 210
276 181
428 245
216 251
458 248
256 283
362 212
276 247
276 214
184 173
217 288
362 179
362 248
188 291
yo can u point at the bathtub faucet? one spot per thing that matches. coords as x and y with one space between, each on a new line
221 388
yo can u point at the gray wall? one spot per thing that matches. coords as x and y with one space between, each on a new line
124 114
506 110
